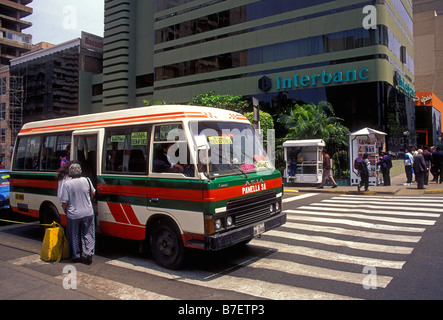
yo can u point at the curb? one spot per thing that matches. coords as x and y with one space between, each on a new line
371 192
433 191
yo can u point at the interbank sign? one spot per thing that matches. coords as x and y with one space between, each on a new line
322 78
404 85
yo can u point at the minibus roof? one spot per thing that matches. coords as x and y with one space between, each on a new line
125 117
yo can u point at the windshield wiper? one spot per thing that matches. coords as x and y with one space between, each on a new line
239 168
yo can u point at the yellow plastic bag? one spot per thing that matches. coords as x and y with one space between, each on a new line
55 246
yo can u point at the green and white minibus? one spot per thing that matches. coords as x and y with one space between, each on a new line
175 176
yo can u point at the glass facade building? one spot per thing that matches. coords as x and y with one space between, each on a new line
279 51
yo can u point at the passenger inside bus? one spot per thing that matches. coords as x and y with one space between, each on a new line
164 163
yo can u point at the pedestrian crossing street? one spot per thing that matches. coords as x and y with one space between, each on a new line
324 251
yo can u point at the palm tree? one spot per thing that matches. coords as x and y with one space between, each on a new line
311 121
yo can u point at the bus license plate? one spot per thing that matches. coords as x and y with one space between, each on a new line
259 229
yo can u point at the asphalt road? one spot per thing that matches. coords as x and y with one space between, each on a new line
334 246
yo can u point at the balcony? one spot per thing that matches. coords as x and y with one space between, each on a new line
15 10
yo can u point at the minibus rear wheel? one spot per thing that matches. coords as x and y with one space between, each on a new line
166 244
49 214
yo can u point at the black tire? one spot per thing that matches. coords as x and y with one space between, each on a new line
166 244
49 214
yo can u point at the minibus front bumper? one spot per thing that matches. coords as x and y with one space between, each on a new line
246 233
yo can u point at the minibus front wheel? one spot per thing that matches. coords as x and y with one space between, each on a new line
166 243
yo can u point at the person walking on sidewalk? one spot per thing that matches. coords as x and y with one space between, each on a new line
327 171
420 169
408 161
76 202
365 168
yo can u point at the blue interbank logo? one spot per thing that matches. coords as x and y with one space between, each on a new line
323 78
404 85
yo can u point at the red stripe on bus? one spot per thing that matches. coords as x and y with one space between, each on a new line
117 212
124 231
239 191
107 122
130 214
44 184
29 212
122 190
190 195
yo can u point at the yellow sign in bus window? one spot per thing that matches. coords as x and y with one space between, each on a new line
139 138
119 138
220 140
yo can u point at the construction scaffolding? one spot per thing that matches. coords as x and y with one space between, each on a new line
16 99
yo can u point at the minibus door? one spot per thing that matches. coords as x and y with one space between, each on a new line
86 146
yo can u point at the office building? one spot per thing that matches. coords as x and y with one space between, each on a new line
429 115
428 38
427 5
281 52
54 81
13 42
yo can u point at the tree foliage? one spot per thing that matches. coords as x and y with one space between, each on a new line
214 100
266 122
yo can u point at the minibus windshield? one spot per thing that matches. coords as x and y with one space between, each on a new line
229 148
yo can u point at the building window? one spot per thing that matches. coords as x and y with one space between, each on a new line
3 111
146 80
97 89
3 81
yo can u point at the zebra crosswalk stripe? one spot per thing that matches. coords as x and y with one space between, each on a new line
328 255
396 211
361 216
255 287
350 232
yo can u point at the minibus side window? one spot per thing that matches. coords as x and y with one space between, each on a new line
54 149
28 154
170 151
126 150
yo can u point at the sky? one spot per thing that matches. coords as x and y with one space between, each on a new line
58 21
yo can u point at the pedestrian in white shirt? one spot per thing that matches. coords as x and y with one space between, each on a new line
76 202
408 162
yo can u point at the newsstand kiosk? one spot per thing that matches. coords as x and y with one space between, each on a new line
368 141
304 161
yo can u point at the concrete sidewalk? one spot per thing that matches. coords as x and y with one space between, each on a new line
397 187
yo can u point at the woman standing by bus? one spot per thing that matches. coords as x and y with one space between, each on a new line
76 202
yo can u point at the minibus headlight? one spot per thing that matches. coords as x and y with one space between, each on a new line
229 222
218 224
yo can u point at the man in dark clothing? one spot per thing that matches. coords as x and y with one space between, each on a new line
163 163
428 158
385 165
364 170
437 158
420 169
